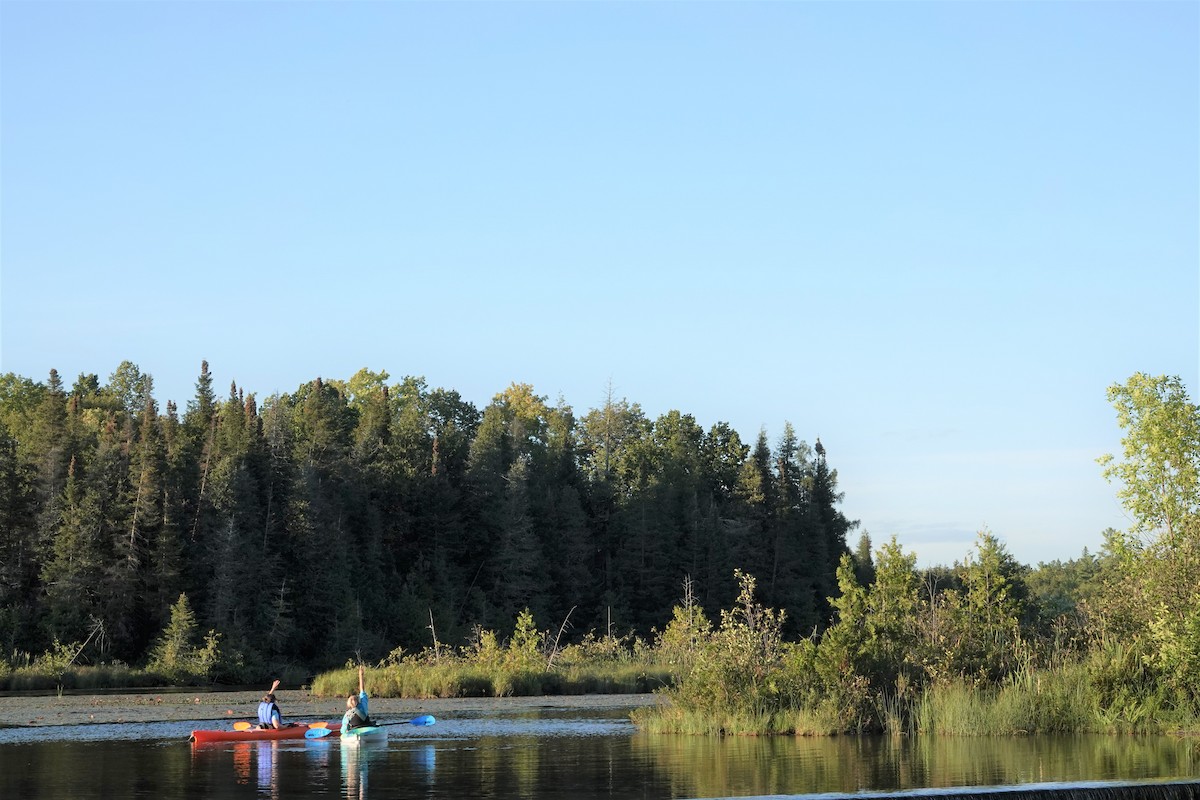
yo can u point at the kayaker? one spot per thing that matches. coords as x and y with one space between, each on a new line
268 710
356 715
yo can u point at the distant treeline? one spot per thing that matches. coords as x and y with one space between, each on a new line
352 517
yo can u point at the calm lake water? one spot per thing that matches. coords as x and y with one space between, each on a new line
553 752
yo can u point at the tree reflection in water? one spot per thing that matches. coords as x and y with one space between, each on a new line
698 766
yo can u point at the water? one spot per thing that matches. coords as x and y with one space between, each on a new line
556 752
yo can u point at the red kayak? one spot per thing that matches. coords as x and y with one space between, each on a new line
257 734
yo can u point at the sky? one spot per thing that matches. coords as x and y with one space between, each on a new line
930 234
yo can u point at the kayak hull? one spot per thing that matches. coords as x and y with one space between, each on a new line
254 734
368 733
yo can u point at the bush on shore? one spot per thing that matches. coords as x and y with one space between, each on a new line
894 663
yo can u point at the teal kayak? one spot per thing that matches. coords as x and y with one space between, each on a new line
367 733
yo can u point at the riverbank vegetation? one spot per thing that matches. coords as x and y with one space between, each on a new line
1108 643
531 662
360 521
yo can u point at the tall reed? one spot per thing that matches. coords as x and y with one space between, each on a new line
459 678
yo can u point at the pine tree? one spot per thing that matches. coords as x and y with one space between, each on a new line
570 555
830 529
17 563
519 572
74 576
163 573
755 493
237 561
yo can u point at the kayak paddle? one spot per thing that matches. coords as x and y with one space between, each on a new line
245 726
321 733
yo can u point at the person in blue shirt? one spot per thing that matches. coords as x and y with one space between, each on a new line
268 710
356 715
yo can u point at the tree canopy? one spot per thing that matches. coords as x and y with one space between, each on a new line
348 517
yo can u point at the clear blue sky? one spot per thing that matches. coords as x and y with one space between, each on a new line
931 234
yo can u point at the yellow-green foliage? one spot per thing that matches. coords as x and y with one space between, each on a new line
684 637
1151 587
1041 701
55 670
457 678
895 661
176 656
525 665
736 670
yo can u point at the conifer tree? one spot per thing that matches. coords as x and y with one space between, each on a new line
519 573
18 565
75 573
755 494
165 548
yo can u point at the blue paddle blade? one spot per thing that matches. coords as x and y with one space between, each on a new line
423 720
317 733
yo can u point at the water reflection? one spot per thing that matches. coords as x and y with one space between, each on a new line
356 763
587 756
703 766
356 766
268 775
259 759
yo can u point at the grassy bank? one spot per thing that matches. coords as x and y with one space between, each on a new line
529 663
876 670
460 679
1065 700
82 678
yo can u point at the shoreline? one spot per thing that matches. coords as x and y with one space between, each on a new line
171 705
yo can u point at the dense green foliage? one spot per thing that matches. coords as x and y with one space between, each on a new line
240 539
1108 643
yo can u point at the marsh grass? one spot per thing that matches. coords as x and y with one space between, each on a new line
1063 700
1066 699
37 678
670 718
416 679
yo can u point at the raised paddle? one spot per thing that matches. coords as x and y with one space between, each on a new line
321 733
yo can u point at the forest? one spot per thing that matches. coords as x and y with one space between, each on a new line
353 517
495 550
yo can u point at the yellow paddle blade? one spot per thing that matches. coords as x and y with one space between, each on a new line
321 724
242 726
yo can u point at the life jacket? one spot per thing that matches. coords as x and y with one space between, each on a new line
355 718
266 711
